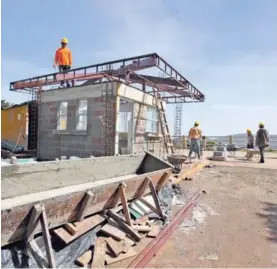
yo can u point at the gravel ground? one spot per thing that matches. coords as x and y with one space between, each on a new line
234 225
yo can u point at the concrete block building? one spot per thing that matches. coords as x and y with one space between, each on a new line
110 108
99 119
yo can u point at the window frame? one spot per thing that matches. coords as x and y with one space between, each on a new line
152 120
62 116
80 114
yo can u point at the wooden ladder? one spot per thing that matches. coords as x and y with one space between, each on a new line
164 126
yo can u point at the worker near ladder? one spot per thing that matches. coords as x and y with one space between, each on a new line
195 135
63 59
250 139
262 140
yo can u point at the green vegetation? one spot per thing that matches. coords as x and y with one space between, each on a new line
5 104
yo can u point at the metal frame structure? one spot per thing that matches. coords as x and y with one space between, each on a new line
169 85
177 88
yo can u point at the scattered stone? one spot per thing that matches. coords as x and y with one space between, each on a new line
209 257
187 223
74 158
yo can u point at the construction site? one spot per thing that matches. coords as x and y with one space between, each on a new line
110 185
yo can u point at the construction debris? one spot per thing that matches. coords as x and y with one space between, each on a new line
84 226
99 252
116 228
154 231
113 231
109 260
85 258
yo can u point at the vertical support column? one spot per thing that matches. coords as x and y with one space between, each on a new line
117 107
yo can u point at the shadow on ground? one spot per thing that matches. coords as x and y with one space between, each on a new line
270 216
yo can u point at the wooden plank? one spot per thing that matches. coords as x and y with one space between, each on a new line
99 253
129 242
131 252
142 188
128 229
156 200
70 228
61 205
85 202
142 228
125 204
84 259
113 231
114 246
113 201
83 227
162 181
33 222
142 221
47 239
154 231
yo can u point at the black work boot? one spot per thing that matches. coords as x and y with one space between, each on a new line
262 160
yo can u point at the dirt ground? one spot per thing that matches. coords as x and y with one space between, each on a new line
234 225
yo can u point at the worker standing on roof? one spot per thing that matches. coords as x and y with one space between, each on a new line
250 139
195 135
63 59
262 140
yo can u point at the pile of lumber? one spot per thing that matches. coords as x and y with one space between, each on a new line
116 239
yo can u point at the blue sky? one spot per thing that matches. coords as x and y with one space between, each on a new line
227 48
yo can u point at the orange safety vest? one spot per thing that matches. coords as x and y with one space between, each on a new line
195 133
63 56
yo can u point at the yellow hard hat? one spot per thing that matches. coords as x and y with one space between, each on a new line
261 124
196 123
248 130
65 40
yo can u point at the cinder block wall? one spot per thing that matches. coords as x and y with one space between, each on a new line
53 143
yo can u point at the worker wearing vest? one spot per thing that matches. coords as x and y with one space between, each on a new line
63 59
262 140
195 135
250 139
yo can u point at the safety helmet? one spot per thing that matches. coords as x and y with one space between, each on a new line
248 130
261 124
196 123
64 40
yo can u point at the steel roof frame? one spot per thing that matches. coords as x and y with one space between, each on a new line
179 89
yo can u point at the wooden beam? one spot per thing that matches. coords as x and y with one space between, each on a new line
142 188
162 181
84 226
47 239
87 199
71 228
156 200
33 222
98 260
128 229
123 199
84 259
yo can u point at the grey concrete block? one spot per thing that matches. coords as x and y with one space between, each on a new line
221 148
219 153
219 158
